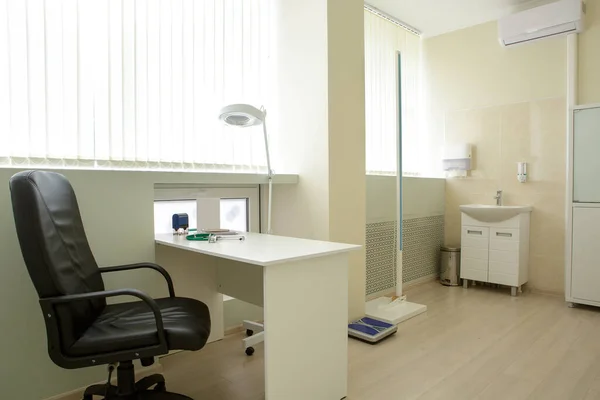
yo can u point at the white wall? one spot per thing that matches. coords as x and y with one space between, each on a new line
117 211
299 117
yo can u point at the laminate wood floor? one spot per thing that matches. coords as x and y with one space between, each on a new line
478 343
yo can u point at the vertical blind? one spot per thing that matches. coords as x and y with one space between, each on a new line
383 41
131 81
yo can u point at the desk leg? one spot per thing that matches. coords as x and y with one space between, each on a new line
306 317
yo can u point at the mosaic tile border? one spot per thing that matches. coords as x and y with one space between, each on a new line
382 250
421 242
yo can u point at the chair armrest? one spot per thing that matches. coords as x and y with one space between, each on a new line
48 303
155 267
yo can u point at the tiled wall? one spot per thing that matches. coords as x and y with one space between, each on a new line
510 105
533 132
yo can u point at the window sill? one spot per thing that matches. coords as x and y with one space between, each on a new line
226 178
183 178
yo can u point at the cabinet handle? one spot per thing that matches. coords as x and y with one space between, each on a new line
470 232
504 234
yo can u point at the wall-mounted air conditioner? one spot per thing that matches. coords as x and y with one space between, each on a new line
559 18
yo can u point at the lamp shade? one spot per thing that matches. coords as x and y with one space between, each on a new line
242 115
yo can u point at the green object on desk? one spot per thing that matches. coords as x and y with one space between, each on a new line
199 237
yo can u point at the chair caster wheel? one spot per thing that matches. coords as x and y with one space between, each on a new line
160 387
249 351
249 332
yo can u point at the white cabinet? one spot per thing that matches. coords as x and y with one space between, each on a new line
582 268
474 255
496 252
586 163
585 267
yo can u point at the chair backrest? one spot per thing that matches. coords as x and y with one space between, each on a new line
55 248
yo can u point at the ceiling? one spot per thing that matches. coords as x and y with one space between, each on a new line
435 17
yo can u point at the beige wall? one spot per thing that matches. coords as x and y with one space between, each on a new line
589 55
235 311
510 105
320 122
346 112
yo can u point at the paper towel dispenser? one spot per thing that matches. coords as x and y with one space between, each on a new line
457 157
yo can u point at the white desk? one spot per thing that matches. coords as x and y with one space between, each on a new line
303 287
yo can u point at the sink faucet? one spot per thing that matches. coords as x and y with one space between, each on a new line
498 197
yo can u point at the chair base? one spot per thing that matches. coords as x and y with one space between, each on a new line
149 395
255 335
128 389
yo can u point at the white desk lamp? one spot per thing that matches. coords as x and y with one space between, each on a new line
245 115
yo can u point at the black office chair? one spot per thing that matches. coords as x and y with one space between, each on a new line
82 329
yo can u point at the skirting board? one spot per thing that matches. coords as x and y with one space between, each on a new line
77 394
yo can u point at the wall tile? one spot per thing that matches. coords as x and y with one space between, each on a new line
547 273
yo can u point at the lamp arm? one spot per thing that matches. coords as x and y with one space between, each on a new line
270 175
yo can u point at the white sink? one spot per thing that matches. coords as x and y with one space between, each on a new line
487 213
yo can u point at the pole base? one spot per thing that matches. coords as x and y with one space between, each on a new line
383 310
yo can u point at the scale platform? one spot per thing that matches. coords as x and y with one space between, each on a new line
370 330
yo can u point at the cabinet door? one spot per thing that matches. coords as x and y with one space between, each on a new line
586 163
585 274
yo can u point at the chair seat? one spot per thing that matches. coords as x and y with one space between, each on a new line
127 326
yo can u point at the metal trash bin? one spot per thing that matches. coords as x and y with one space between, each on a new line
450 266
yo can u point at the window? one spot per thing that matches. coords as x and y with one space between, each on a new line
125 83
238 207
383 41
164 210
234 214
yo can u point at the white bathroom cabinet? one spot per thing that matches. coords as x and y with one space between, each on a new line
495 252
585 273
582 268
